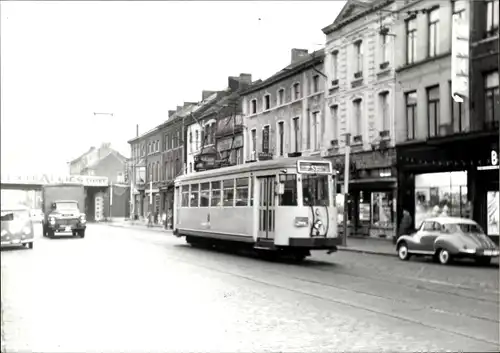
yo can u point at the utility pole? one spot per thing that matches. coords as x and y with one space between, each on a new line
347 170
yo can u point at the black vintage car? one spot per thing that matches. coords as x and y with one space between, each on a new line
448 238
64 217
17 227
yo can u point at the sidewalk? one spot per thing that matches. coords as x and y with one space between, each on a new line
134 224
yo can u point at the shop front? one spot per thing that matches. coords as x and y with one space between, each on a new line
455 177
372 194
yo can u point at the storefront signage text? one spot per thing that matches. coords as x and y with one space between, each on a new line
306 167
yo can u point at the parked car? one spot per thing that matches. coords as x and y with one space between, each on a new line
16 226
448 238
36 215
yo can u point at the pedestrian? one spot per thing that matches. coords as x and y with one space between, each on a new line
164 219
405 225
150 219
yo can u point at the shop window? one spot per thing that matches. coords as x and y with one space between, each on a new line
382 213
289 198
315 190
441 194
241 192
205 195
493 202
228 188
194 195
185 196
215 194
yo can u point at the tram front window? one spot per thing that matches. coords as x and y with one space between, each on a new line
315 190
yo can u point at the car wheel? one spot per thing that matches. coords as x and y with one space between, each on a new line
29 245
81 233
50 233
444 256
483 260
403 253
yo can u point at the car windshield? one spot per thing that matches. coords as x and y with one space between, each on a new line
72 206
8 216
463 228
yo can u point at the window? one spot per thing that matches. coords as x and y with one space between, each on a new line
357 124
458 8
316 127
334 110
204 195
289 197
190 137
281 137
358 51
411 40
120 178
433 33
386 56
194 195
165 170
315 83
315 190
433 111
196 140
215 194
492 98
265 139
296 91
308 132
251 191
185 196
190 167
411 114
228 189
335 65
281 97
296 129
241 192
384 110
254 143
267 102
492 10
254 106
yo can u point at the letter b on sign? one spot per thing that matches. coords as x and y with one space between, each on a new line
494 157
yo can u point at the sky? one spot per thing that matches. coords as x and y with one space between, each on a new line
61 62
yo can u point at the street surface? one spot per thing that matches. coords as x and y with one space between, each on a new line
136 290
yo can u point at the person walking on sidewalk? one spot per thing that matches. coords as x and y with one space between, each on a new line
150 219
405 226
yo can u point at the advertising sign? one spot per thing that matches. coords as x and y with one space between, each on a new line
460 59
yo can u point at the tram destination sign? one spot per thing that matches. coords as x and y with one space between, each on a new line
317 167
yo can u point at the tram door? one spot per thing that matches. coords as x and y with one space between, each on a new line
266 207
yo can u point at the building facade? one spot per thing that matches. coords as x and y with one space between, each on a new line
445 146
283 114
359 109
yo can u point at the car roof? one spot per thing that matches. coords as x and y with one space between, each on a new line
450 220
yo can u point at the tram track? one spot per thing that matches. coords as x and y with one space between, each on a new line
346 303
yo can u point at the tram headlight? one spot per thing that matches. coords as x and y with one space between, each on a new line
301 221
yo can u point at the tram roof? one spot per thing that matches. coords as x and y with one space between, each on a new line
288 162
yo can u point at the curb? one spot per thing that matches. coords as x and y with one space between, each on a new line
369 252
157 229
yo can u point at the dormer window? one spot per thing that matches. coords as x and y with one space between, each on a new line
254 106
281 97
267 102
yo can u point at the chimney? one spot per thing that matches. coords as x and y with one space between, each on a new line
298 54
170 113
186 104
179 107
239 82
137 130
206 94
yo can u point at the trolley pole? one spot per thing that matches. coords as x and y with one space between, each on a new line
347 171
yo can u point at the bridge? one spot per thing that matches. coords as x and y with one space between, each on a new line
27 189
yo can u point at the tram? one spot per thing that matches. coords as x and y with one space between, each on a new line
283 207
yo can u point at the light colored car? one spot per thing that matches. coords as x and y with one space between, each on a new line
448 238
17 227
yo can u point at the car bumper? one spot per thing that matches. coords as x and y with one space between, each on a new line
315 243
61 228
479 254
16 241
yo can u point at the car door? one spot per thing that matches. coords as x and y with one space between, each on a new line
421 235
430 236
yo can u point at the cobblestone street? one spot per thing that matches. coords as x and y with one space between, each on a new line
129 290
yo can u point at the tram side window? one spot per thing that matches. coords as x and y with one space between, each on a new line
241 192
215 194
194 195
228 187
185 196
205 195
289 198
251 191
315 190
